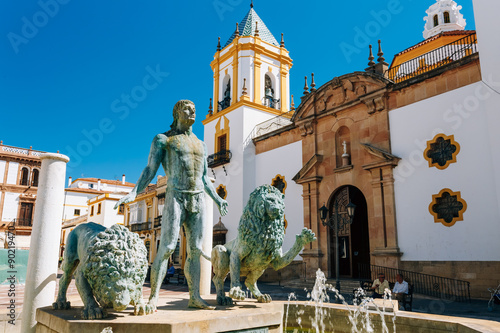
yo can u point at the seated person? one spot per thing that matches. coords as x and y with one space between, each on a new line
379 286
400 289
170 272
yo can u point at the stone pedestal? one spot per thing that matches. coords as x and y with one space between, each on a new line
172 316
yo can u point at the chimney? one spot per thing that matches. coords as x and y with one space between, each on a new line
99 184
70 181
123 179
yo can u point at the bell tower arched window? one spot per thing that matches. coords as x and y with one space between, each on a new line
269 93
436 20
446 16
226 95
24 176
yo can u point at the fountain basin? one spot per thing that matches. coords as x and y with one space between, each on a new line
174 316
336 319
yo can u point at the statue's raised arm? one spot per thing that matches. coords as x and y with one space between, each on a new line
156 157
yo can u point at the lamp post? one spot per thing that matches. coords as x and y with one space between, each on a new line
336 222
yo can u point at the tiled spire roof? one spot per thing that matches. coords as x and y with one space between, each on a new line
247 28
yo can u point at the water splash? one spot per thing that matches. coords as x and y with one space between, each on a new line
358 315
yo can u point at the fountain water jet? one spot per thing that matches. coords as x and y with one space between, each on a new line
359 316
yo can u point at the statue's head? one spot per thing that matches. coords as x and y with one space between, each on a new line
184 112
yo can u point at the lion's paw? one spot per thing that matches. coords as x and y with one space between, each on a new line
237 294
61 305
264 298
151 307
306 236
142 309
93 312
224 300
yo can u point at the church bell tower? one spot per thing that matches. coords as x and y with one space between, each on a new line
251 84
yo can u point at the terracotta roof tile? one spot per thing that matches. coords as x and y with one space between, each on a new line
444 33
90 190
104 181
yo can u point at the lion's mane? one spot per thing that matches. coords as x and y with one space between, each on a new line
117 260
256 226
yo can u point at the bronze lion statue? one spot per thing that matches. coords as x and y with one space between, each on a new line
110 267
260 237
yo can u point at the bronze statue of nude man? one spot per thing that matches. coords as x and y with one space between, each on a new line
184 159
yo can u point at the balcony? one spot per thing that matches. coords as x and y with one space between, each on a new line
140 226
220 158
157 222
434 59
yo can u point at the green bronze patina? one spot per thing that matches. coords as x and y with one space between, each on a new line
184 159
110 267
260 236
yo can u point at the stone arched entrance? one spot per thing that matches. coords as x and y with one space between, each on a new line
354 243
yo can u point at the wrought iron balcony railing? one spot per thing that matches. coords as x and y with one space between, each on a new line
157 222
225 103
220 158
431 285
272 124
434 59
140 226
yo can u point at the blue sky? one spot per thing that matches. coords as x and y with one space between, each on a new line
68 67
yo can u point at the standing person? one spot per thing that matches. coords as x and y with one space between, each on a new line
184 159
379 286
400 289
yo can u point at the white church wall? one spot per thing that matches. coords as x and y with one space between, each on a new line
285 161
209 136
231 178
486 12
252 118
452 113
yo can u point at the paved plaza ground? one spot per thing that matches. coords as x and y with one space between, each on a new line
475 309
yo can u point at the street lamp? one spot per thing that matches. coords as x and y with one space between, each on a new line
336 222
